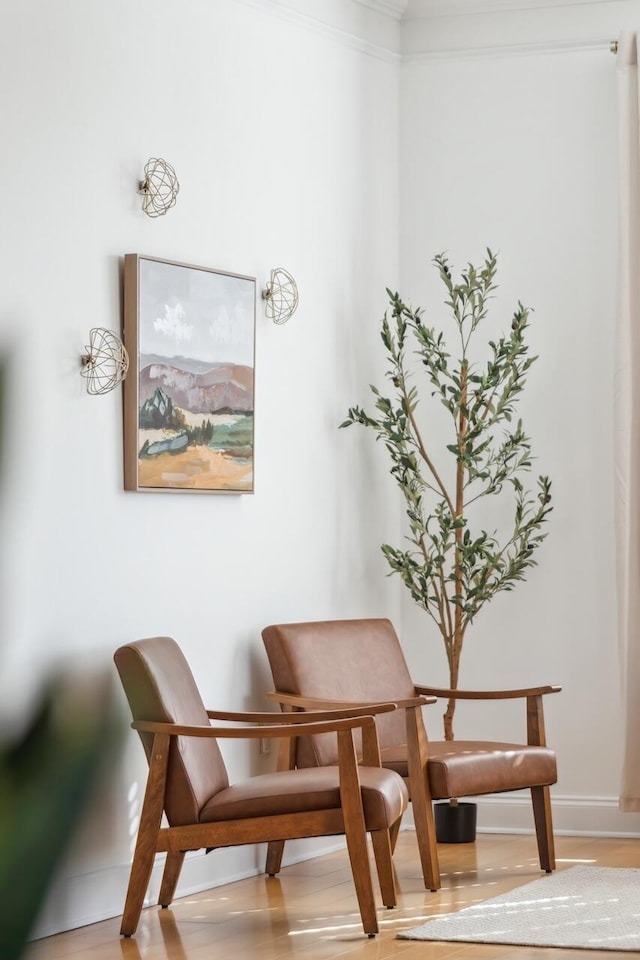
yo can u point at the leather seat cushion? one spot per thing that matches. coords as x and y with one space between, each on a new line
384 795
464 768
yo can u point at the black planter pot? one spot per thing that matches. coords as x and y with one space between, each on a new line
455 824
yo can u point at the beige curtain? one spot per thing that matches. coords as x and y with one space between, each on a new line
627 412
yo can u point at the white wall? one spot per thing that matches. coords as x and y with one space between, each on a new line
281 118
515 148
271 123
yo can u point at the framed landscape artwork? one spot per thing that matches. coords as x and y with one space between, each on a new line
188 398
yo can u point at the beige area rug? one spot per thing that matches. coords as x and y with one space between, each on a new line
592 908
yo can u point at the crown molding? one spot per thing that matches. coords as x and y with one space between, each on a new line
391 8
373 31
413 30
439 29
510 50
425 9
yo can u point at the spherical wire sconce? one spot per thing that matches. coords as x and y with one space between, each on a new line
281 296
160 187
105 363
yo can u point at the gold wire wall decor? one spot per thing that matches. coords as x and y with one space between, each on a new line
280 296
105 363
160 187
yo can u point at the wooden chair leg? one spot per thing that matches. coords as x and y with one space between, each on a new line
384 864
286 761
541 799
146 843
138 882
426 837
359 857
420 795
355 831
275 849
170 876
394 830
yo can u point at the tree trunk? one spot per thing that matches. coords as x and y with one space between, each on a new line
458 621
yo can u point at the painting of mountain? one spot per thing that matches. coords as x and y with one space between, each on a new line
223 387
189 411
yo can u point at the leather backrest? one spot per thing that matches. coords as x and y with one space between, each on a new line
159 686
359 660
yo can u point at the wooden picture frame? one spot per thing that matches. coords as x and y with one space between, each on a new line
189 395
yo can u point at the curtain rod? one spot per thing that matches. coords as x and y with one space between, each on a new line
613 46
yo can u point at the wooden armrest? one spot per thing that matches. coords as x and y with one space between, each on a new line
298 717
419 701
447 694
288 729
350 707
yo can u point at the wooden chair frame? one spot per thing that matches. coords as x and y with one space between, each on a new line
536 737
348 819
418 758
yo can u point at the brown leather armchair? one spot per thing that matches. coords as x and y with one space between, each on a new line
318 665
188 782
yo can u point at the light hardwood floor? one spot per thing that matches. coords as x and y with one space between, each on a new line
309 912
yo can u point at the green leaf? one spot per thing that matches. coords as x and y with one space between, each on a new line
448 561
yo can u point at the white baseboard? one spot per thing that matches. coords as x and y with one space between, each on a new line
76 901
572 816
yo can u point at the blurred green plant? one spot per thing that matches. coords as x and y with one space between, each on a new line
452 568
47 774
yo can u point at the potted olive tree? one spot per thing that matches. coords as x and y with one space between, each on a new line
451 565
